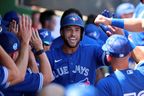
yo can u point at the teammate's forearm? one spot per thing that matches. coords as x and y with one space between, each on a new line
32 64
22 60
6 60
133 25
138 54
45 68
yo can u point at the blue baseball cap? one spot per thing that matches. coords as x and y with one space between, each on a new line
45 36
117 46
125 8
9 16
72 19
9 42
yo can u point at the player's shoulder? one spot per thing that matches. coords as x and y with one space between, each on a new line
91 49
107 81
54 53
89 46
57 39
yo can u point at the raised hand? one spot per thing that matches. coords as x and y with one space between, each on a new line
102 20
25 29
114 30
35 40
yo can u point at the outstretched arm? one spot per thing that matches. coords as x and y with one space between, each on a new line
138 54
24 36
6 60
133 25
45 67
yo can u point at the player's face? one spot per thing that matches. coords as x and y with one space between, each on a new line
71 36
51 23
129 15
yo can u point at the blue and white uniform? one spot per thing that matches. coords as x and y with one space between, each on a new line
78 67
33 82
138 37
3 75
123 83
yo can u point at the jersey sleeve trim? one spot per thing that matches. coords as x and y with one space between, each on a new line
5 75
41 82
7 85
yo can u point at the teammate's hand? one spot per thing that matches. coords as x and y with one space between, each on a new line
25 29
114 30
35 40
13 27
101 19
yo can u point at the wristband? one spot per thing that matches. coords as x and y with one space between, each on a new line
39 52
118 23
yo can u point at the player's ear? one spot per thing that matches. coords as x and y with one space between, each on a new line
109 58
14 55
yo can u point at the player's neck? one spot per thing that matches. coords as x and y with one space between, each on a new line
119 65
69 50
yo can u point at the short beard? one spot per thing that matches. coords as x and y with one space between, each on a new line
67 44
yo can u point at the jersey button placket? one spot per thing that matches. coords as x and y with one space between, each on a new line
71 68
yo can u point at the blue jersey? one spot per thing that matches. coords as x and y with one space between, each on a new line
139 12
33 82
79 67
137 37
123 83
3 75
58 42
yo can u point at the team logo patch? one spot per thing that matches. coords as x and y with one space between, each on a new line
15 46
44 34
129 71
121 55
85 82
73 18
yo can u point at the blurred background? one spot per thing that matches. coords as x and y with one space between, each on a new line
85 6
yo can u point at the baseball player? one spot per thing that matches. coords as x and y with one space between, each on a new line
48 20
74 62
58 42
11 21
125 10
8 70
31 81
124 81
